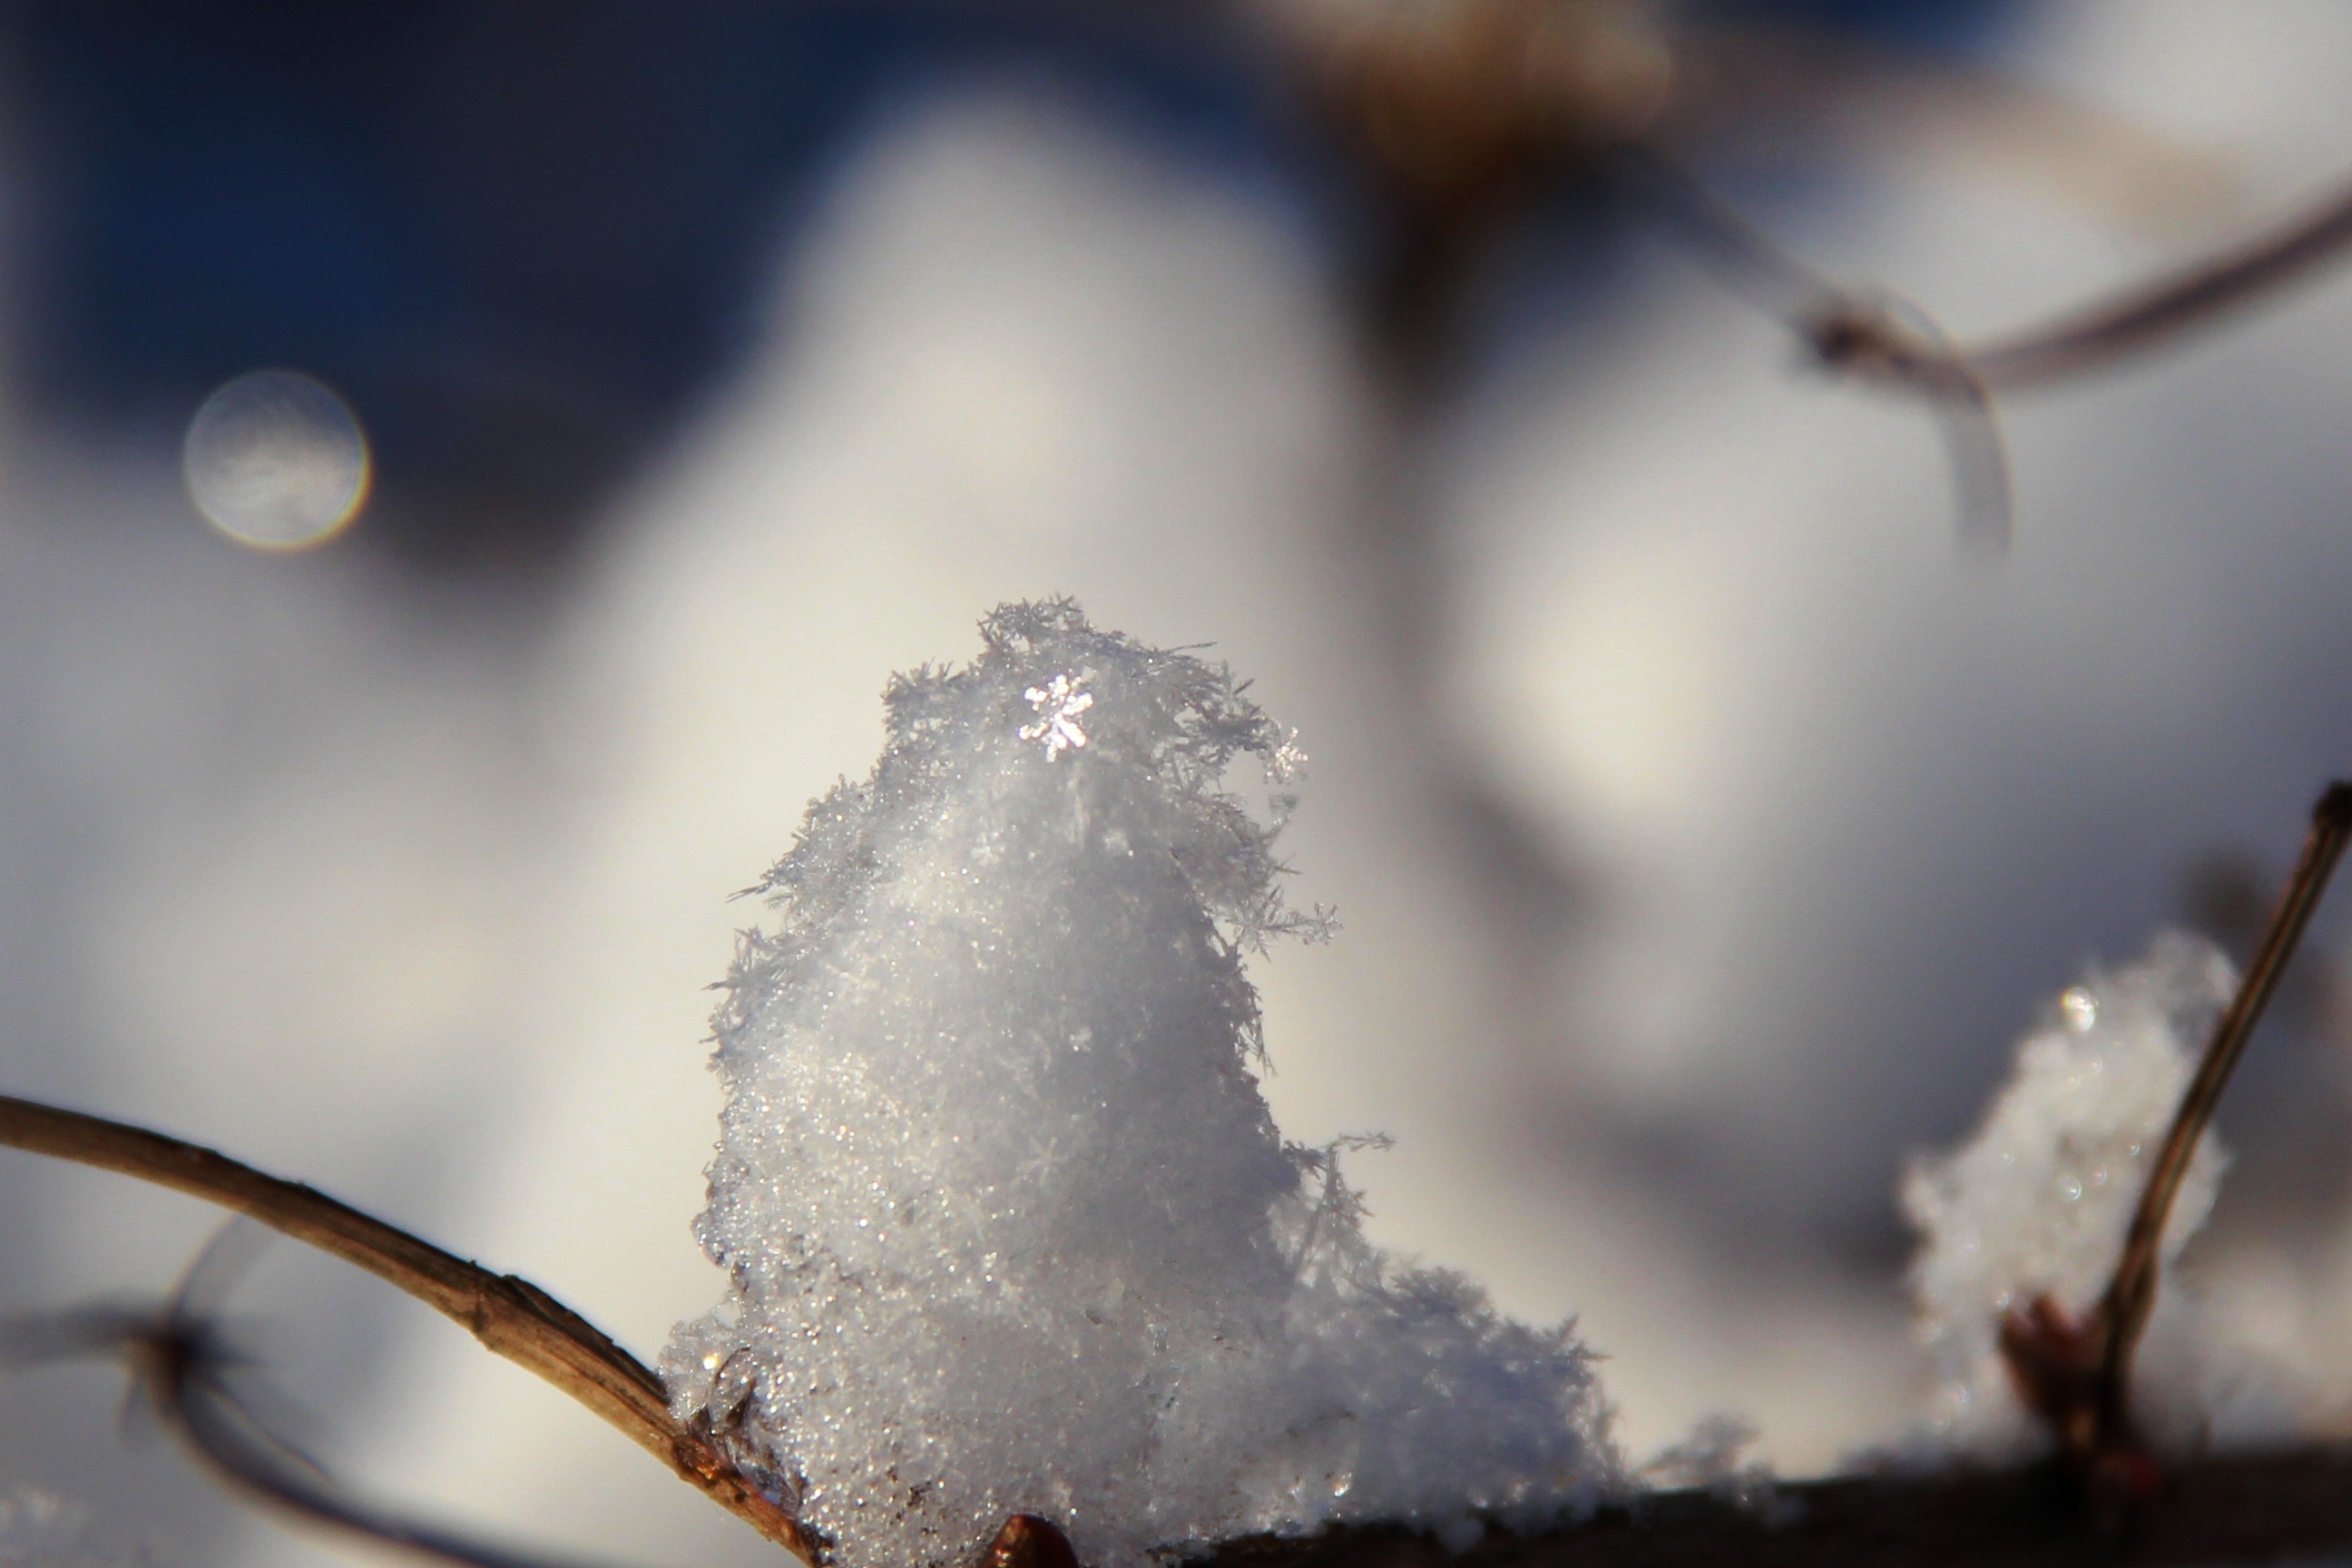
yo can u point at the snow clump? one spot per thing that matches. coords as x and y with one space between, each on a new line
1007 1223
2037 1202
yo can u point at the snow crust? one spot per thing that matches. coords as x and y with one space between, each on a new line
2039 1200
1007 1223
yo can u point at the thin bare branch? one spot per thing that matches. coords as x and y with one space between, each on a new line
180 1361
1971 423
511 1316
2131 1295
1851 334
1873 345
2240 1508
1884 338
2170 306
176 1386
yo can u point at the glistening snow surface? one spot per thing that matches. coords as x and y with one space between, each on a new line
1007 1223
2037 1202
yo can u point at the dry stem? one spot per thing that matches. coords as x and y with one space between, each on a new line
1852 335
513 1317
181 1365
2170 305
2131 1295
2237 1507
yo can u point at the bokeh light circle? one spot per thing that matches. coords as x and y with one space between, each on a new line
275 460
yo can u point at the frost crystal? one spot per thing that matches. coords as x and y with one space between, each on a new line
1007 1223
2037 1202
1057 724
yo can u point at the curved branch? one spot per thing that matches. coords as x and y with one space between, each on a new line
179 1365
1854 333
246 1465
2168 306
511 1316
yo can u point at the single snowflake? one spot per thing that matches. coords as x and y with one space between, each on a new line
1059 703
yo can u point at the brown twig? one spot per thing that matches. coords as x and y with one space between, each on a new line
2168 306
171 1373
1883 338
511 1316
1850 336
2236 1508
180 1363
1869 337
2122 1312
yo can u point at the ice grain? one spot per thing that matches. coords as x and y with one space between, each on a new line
1007 1223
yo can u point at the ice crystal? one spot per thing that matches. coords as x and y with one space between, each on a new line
1058 702
2037 1202
1006 1221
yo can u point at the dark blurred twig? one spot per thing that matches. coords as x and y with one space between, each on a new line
180 1361
510 1316
1851 334
1890 344
2170 306
1883 338
1878 348
2238 1508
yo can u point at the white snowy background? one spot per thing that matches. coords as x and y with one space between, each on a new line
378 885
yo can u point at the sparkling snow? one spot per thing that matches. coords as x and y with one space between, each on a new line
1007 1223
2037 1202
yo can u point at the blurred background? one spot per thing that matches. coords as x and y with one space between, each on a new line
381 739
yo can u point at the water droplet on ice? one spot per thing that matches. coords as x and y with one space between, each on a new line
2071 1188
2081 1009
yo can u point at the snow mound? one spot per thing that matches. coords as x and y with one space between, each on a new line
1007 1223
2037 1202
